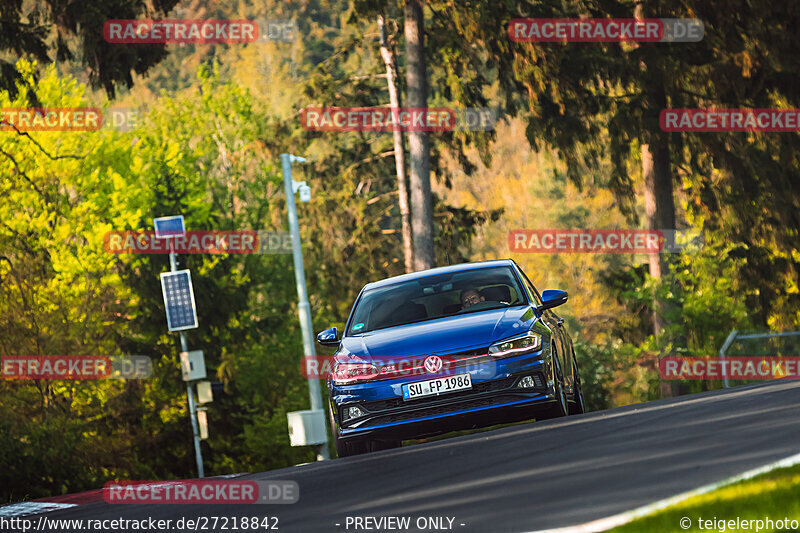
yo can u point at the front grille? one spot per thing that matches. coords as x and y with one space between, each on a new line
451 362
485 386
488 393
444 409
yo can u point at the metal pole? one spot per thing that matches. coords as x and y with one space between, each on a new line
722 352
304 310
173 265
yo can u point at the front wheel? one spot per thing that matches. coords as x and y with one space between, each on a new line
560 407
348 447
355 446
577 407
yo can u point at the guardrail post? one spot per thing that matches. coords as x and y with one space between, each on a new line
722 353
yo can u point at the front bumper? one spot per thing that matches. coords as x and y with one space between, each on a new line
495 398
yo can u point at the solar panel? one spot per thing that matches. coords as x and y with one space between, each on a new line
179 300
170 226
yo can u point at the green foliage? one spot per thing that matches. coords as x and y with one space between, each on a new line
64 294
73 31
209 152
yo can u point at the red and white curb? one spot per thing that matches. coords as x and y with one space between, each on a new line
29 508
57 503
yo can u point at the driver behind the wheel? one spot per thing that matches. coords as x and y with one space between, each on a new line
471 297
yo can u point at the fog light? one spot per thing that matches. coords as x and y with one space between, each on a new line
352 412
526 383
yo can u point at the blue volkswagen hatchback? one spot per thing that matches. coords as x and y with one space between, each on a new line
449 348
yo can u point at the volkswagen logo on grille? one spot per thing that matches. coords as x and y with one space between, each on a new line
433 363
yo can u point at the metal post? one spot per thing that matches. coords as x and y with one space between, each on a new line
173 265
722 352
304 310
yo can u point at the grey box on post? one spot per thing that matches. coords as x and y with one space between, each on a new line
193 365
204 394
307 428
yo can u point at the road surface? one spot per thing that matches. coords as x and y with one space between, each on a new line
528 477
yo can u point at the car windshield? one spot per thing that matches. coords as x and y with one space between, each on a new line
436 296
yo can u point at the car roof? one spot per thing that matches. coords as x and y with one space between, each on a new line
439 270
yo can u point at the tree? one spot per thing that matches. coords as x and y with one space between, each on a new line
389 58
418 141
591 101
60 294
70 30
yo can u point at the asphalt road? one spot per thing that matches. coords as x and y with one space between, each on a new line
541 475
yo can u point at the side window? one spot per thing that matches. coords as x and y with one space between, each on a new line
535 296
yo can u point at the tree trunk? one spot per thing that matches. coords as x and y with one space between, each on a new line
659 204
659 208
418 142
399 150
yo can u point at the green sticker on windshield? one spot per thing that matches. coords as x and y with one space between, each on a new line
358 326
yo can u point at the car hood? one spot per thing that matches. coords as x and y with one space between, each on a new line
440 336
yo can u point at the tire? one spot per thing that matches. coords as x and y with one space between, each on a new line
348 447
577 406
560 407
345 447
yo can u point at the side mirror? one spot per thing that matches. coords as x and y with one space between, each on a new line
329 337
553 298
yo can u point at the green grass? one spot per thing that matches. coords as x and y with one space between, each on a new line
774 495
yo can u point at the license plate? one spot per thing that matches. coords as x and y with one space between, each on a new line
433 387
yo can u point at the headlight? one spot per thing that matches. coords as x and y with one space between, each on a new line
344 373
529 342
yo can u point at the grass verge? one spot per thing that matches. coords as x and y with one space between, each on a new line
774 495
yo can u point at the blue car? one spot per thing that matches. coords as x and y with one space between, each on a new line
445 349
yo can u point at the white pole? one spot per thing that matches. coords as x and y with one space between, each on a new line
173 265
304 310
